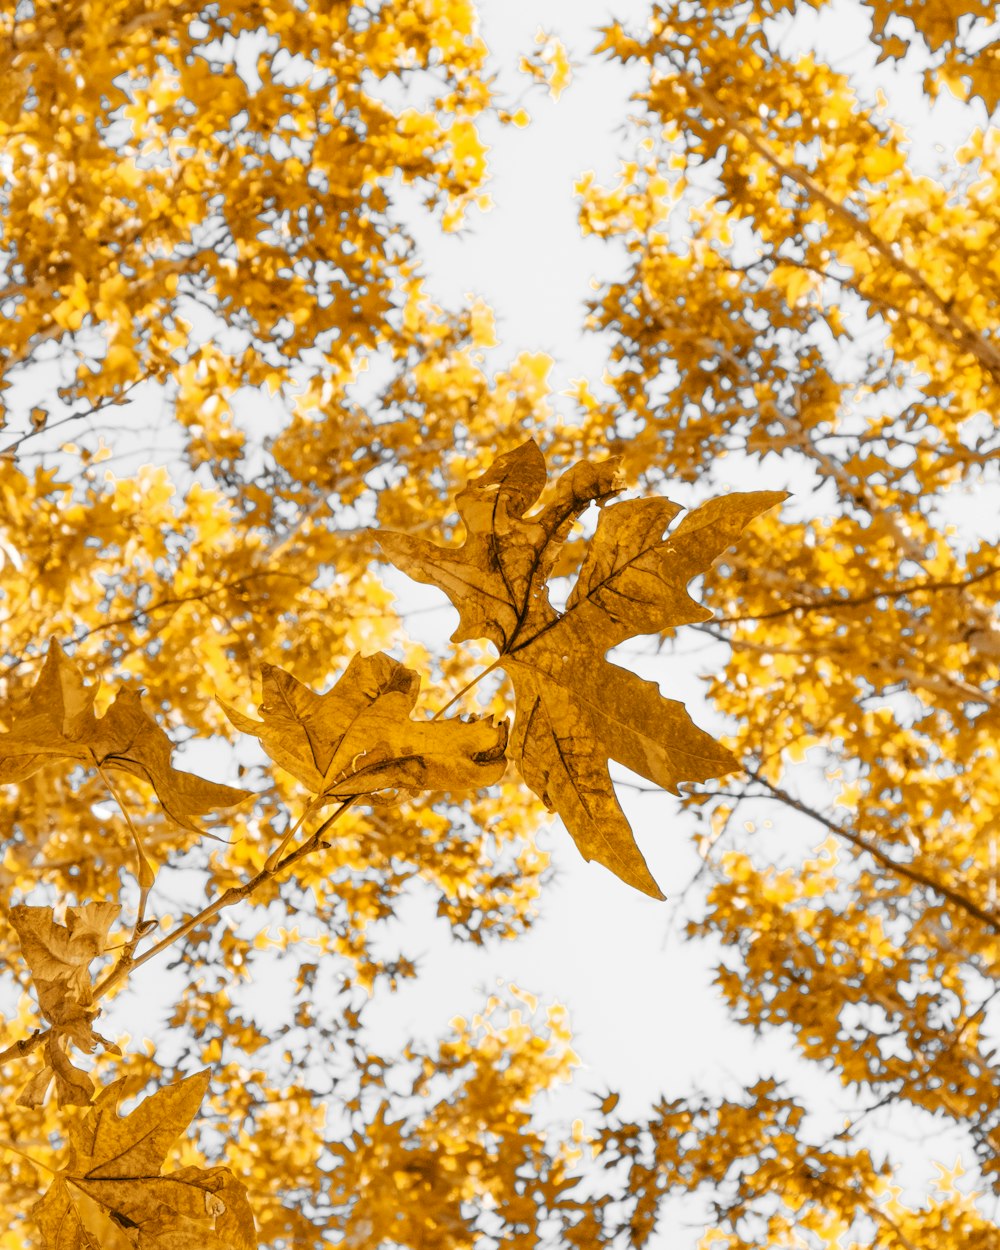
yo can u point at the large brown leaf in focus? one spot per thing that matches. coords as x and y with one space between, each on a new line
575 709
116 1163
358 738
58 722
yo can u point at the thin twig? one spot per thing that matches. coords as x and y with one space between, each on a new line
855 601
991 920
236 894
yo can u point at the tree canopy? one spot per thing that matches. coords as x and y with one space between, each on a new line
204 221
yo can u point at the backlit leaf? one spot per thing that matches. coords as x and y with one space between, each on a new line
59 958
575 710
117 1164
359 737
58 723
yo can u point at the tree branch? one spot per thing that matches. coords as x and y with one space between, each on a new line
956 897
855 601
985 352
125 968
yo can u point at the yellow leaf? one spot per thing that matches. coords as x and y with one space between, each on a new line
59 958
59 955
58 723
358 738
794 282
129 740
548 63
57 714
117 1164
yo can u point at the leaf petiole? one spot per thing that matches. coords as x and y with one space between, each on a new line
145 873
467 687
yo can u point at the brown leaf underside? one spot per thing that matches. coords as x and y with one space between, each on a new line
575 709
116 1162
358 738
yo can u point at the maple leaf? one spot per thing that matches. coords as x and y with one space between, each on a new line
58 722
117 1163
358 738
54 720
575 709
127 739
59 958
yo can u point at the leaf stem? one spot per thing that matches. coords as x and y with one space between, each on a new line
274 859
145 873
467 687
17 1050
233 895
6 1145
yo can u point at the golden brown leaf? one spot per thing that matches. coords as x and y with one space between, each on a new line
575 710
59 1221
358 738
58 722
57 715
73 1086
59 958
129 740
59 955
117 1162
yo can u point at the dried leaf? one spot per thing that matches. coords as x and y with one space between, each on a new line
59 958
575 710
53 723
73 1086
358 738
116 1162
59 1220
127 739
58 722
33 1093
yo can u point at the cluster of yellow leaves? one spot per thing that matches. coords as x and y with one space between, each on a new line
955 35
469 1145
154 173
814 1194
203 196
800 286
548 63
802 953
818 214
